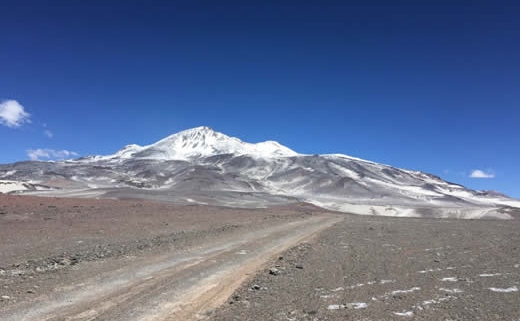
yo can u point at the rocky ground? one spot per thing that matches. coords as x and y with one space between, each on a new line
88 259
374 268
44 239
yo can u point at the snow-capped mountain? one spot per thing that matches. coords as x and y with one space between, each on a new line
197 143
203 166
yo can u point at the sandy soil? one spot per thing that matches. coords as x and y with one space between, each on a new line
80 259
376 268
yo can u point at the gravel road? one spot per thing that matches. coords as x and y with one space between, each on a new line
184 283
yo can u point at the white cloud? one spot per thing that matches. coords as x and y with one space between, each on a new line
38 154
12 114
48 133
477 173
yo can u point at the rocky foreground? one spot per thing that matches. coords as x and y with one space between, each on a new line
373 268
71 259
123 260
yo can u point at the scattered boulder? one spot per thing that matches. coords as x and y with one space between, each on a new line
274 271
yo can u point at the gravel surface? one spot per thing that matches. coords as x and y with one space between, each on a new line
50 242
375 268
363 268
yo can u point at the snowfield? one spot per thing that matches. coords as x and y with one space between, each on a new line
11 186
17 186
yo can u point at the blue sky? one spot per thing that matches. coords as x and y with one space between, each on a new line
426 87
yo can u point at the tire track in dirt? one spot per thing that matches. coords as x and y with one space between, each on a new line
182 287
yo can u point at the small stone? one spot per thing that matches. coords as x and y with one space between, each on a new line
30 291
274 271
280 258
299 266
256 287
5 297
236 297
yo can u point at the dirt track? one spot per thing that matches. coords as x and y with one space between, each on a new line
182 284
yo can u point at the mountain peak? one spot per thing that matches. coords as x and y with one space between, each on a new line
201 142
200 129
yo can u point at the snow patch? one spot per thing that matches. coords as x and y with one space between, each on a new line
8 173
404 313
488 275
359 305
451 290
12 186
356 286
507 290
450 279
406 291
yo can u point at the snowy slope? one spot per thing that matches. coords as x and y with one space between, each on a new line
202 164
